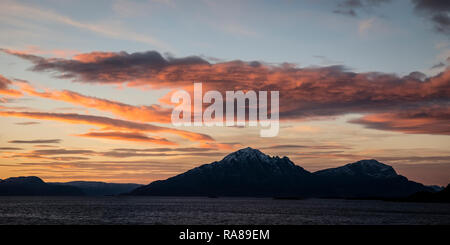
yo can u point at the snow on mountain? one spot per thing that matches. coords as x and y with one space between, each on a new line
370 168
249 172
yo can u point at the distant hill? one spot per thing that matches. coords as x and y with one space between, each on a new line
94 188
441 196
249 172
34 186
368 178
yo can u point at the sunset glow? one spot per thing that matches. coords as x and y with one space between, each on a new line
85 95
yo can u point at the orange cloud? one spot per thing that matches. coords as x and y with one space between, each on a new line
59 53
4 87
425 120
138 137
106 123
220 146
305 92
51 154
93 56
152 113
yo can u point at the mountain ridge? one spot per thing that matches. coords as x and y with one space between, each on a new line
246 172
249 172
99 188
370 167
35 186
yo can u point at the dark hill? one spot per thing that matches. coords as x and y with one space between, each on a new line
34 186
95 188
368 178
249 172
425 196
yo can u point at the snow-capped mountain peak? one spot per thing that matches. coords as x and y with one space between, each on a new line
371 168
249 172
247 154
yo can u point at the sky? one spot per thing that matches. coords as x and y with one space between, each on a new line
85 86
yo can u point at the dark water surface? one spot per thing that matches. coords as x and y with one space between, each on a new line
191 210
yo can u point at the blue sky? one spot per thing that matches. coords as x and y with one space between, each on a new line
387 38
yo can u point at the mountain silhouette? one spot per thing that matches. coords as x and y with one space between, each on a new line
424 196
96 188
246 172
34 186
249 172
368 178
364 168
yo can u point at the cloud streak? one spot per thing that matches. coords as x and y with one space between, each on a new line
34 13
437 11
427 120
106 123
305 92
127 136
351 7
39 141
4 87
152 113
